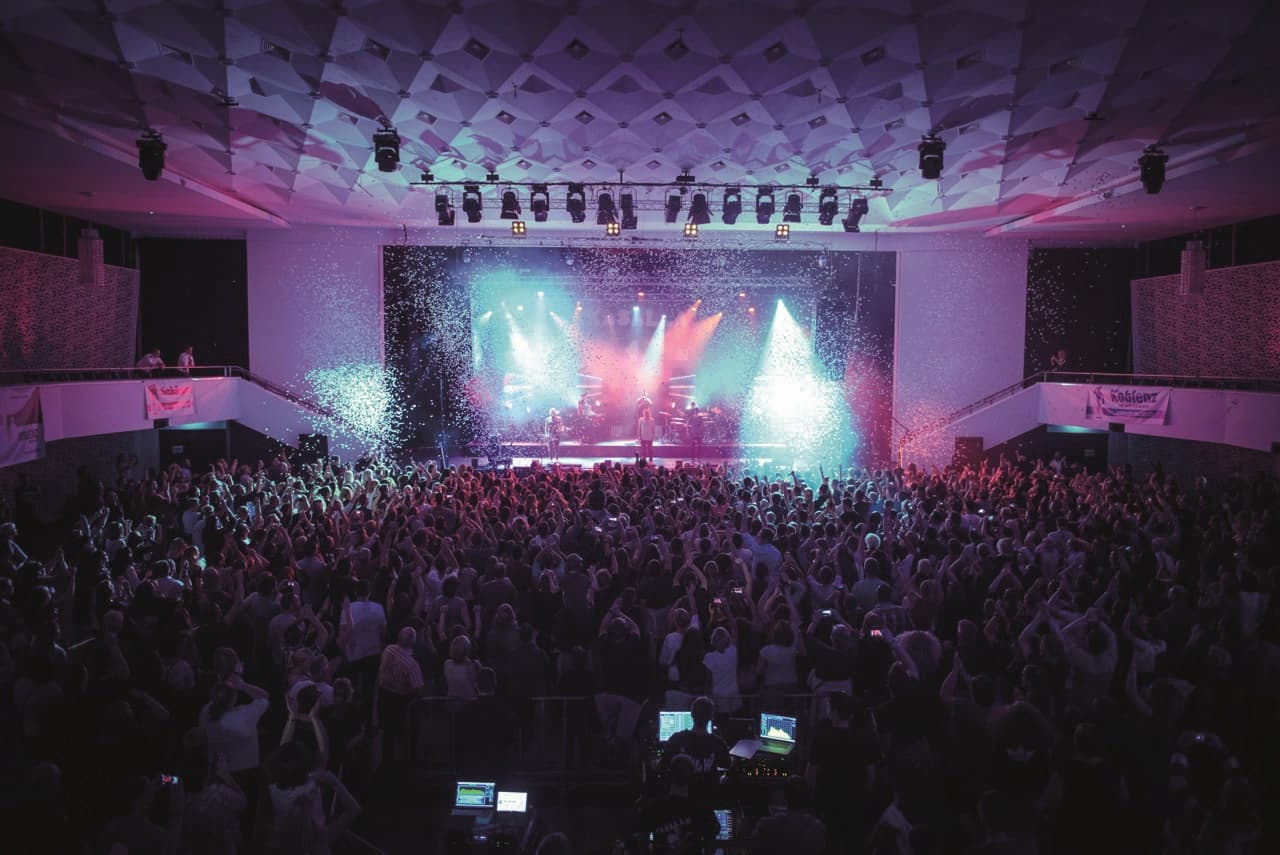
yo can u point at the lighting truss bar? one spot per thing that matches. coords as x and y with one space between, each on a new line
777 188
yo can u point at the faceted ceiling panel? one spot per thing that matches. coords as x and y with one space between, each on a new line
269 107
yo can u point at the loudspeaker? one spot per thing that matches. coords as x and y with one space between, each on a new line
313 447
968 451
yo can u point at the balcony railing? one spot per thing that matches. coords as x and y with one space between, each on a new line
1182 381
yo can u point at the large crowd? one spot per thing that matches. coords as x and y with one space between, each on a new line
1015 658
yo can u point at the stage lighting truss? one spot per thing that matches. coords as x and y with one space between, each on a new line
764 205
931 149
782 232
151 148
472 202
444 210
690 230
518 228
857 210
539 202
828 206
605 212
386 149
791 211
575 202
699 210
629 218
510 206
731 207
613 229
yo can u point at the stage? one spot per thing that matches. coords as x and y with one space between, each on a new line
586 455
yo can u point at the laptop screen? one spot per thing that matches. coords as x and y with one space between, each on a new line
779 728
511 802
475 794
725 818
672 722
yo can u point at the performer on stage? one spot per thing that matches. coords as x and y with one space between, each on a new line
555 432
693 425
645 431
643 403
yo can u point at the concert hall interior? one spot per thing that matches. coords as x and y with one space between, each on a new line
639 427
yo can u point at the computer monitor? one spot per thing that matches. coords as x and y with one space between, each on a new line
512 802
481 795
671 722
778 728
727 824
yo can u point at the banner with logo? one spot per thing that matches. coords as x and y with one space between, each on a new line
1128 405
22 438
166 399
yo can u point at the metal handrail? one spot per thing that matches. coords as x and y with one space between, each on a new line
1186 381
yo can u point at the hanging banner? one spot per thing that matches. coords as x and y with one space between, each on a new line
168 399
1132 405
23 436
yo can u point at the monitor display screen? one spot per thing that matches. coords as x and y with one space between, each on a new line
780 728
672 722
725 818
475 794
512 802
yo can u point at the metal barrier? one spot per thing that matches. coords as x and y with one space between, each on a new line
563 737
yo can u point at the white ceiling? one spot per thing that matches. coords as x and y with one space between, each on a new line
268 106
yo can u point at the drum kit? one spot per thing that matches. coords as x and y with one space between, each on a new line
712 425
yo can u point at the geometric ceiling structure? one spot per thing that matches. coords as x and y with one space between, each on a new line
268 107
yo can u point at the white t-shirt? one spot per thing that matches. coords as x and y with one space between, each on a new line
723 666
235 734
368 622
670 646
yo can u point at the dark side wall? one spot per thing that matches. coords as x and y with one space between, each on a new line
195 292
1078 301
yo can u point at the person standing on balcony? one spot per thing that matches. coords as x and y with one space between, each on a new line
151 361
187 360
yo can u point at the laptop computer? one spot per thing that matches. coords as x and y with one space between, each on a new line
671 722
510 801
777 734
476 799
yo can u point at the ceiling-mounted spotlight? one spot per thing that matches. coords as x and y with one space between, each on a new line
386 149
811 181
685 178
629 218
1151 168
672 211
575 202
857 210
931 149
782 232
151 148
427 177
472 202
613 229
492 178
444 210
690 230
791 211
699 210
731 207
518 228
605 212
510 206
764 205
828 206
539 202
